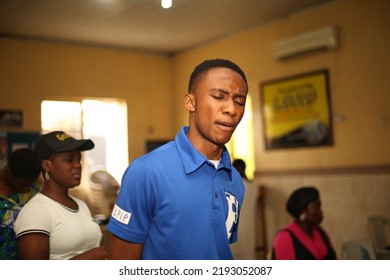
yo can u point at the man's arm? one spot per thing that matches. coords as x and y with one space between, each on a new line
124 250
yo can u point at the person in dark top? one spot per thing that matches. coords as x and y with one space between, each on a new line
17 187
303 238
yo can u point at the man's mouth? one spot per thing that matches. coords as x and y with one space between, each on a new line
226 126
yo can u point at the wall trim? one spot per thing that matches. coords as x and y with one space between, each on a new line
369 169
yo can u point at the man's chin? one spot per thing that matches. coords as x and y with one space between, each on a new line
225 140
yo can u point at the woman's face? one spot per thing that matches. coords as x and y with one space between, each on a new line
313 212
65 168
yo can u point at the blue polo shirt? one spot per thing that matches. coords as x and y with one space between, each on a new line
178 204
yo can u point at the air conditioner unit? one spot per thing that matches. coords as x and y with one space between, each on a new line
312 41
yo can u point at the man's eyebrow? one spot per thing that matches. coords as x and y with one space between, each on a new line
225 91
221 90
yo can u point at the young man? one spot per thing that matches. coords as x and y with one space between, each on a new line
181 201
17 187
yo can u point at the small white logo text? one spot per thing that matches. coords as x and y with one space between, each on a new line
120 215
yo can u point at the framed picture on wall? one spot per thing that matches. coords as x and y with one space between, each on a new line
11 118
296 111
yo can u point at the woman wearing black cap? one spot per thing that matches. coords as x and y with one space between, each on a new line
55 225
303 238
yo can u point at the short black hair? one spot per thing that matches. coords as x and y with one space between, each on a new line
201 70
240 165
300 198
23 165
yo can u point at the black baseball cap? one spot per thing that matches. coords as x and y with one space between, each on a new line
58 142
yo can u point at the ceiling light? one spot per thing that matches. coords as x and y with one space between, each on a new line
166 4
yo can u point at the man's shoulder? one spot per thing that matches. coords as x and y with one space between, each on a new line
158 155
162 157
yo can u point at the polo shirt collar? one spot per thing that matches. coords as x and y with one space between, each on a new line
192 159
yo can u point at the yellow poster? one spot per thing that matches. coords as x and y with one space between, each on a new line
296 111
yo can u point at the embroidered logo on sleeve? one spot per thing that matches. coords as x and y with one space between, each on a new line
121 215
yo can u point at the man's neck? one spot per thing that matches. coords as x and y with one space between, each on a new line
208 149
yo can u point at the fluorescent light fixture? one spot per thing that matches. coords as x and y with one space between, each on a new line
166 4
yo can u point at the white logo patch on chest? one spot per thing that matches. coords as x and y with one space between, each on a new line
232 217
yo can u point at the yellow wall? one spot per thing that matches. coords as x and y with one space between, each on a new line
353 175
153 87
34 71
358 81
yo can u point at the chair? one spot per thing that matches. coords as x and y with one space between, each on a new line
356 250
379 230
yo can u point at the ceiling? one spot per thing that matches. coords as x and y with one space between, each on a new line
141 24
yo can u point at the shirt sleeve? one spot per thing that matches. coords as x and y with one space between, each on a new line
132 214
283 246
33 218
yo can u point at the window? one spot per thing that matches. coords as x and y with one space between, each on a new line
103 121
241 144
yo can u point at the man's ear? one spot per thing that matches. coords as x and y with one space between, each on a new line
189 102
